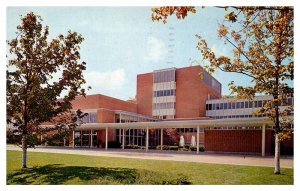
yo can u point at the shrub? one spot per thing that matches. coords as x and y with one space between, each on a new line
183 149
130 146
201 148
114 144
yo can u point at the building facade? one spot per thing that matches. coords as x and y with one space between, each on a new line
169 95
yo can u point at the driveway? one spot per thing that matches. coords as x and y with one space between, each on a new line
203 157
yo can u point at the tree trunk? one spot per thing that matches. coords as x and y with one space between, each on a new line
24 151
277 155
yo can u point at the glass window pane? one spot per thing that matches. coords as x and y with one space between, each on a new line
246 104
238 105
259 103
221 105
229 105
225 105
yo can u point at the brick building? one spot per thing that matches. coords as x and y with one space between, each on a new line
173 94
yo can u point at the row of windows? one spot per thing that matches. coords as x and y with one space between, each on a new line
192 130
167 105
137 137
241 104
163 93
164 76
238 116
90 118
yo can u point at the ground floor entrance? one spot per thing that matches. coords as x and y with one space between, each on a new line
85 138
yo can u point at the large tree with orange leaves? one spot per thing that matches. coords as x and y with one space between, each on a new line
262 42
33 94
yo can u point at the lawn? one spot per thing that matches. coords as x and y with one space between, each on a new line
50 168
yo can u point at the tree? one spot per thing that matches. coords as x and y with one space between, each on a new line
262 39
34 95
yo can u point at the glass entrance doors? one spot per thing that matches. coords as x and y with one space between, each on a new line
85 138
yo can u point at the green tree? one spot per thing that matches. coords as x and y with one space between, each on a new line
34 95
262 39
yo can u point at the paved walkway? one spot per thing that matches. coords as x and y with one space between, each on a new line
235 159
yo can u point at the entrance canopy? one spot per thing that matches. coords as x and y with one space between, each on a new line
240 122
262 122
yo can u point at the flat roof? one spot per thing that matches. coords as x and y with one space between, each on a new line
241 122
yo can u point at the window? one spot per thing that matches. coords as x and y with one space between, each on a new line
259 103
233 105
217 106
250 104
246 104
168 92
221 105
225 105
213 106
242 104
238 105
255 104
229 105
290 101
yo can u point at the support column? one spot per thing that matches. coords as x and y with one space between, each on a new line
123 139
73 139
81 138
147 138
161 138
106 137
263 140
91 144
197 139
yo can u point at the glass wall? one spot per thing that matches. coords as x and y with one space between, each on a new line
83 138
136 136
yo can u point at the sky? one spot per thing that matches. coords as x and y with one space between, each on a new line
121 42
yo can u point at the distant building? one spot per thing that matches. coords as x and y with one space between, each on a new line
174 94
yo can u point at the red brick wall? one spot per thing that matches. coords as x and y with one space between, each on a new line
102 101
144 93
116 104
105 116
236 140
191 93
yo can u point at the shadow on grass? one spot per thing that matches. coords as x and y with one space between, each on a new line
59 174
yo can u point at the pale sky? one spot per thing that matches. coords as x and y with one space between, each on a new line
121 42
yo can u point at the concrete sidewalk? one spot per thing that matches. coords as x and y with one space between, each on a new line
234 159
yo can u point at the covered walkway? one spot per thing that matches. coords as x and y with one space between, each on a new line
261 122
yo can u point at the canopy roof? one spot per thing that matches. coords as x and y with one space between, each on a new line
232 122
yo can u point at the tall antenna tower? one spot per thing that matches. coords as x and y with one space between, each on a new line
171 46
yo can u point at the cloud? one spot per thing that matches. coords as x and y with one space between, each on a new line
156 50
106 82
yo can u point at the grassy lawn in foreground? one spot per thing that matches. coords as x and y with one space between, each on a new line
51 168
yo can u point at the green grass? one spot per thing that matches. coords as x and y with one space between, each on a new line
50 168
